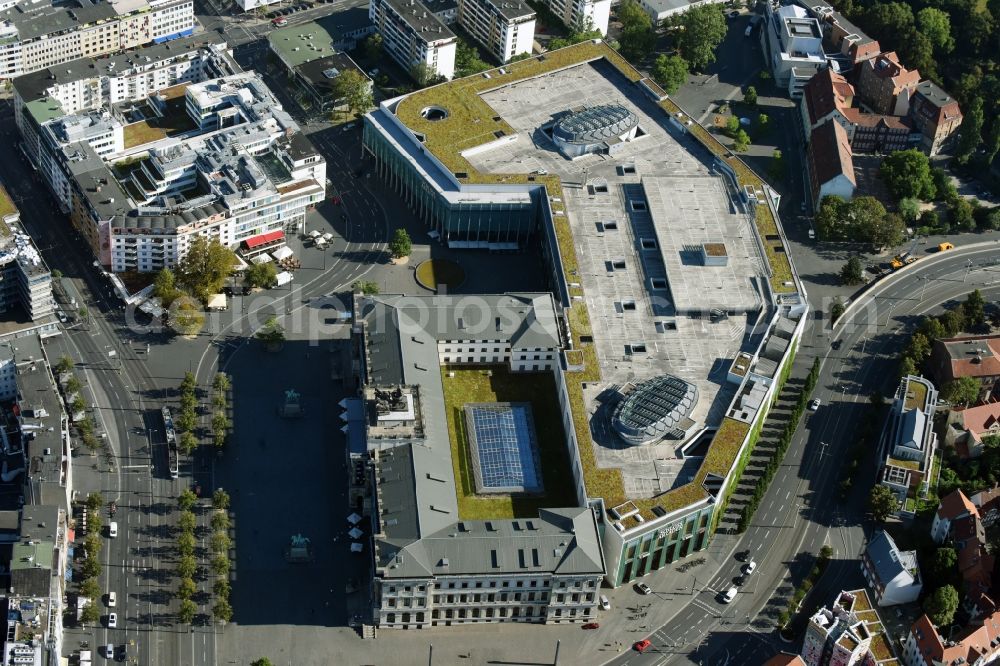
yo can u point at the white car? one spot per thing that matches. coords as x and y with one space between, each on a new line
605 604
642 588
112 620
749 567
814 404
109 651
112 599
112 529
729 595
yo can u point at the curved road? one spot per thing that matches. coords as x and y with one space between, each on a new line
801 510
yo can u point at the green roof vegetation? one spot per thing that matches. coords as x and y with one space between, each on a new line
471 122
142 132
905 464
7 206
472 384
916 395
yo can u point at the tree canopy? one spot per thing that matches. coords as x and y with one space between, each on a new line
702 30
863 219
941 605
400 245
907 173
883 503
263 276
353 89
670 72
204 268
852 272
962 391
467 60
637 38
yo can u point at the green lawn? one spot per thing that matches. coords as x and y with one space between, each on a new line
471 384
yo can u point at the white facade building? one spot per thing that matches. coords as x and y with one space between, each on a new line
36 37
412 35
585 14
505 27
793 45
247 170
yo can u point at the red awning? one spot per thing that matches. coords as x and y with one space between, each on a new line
263 239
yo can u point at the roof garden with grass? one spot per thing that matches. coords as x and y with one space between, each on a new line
453 117
464 386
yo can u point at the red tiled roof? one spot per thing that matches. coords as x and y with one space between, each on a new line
968 365
956 504
865 51
830 153
981 419
263 239
824 93
859 117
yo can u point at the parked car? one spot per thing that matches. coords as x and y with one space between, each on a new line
643 645
944 247
592 625
814 404
642 588
604 603
279 22
112 529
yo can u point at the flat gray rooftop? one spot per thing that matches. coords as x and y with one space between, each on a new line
625 310
688 211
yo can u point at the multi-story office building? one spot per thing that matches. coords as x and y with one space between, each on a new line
505 27
36 36
139 194
583 14
627 211
434 566
414 36
885 86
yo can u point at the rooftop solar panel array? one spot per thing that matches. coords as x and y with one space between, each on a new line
504 447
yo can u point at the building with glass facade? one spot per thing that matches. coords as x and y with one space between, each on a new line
609 231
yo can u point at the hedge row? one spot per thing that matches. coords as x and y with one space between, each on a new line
786 439
800 593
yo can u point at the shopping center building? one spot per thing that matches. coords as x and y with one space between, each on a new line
666 262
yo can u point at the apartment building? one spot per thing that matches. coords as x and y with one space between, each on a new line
831 163
505 27
793 43
583 14
937 115
413 36
836 635
976 644
33 37
976 356
909 442
139 195
892 574
25 280
96 83
885 86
